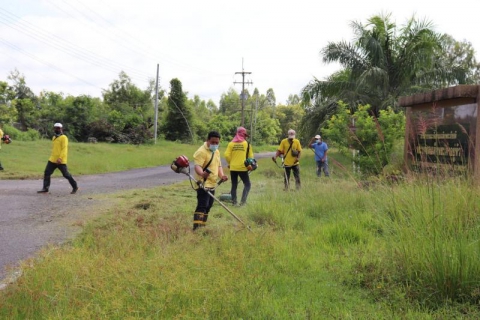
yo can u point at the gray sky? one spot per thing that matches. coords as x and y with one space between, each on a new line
80 46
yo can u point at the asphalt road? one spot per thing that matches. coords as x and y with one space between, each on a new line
30 221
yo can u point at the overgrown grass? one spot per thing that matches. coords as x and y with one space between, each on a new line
27 159
330 251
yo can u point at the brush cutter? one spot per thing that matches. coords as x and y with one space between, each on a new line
282 167
181 165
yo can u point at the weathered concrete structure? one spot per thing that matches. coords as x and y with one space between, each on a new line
441 131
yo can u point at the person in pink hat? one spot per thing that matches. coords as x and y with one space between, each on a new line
239 150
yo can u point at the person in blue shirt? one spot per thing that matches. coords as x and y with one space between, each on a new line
320 148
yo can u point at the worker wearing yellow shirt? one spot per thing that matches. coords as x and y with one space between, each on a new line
238 150
58 160
290 148
208 168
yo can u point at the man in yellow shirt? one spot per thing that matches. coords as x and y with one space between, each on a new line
290 148
208 168
58 159
236 154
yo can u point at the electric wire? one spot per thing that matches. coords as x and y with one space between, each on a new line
63 45
17 23
14 47
155 53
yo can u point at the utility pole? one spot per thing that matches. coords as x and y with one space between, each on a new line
242 95
156 107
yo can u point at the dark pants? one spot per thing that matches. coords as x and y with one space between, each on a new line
50 168
322 165
204 204
296 174
246 185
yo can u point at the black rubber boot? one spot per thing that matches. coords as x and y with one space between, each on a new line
198 220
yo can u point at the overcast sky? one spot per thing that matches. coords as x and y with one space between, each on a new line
80 46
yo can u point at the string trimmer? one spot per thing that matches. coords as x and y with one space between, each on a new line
182 165
283 168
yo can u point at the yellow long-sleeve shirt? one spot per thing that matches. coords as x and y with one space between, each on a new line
59 149
236 154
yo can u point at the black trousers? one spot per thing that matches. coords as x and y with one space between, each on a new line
204 201
246 185
204 204
296 175
50 168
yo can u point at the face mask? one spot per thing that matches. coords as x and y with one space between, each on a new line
317 141
213 147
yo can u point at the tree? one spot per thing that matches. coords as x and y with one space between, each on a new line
133 104
293 99
179 116
202 115
289 117
7 113
23 100
272 101
381 64
459 59
230 102
79 113
52 107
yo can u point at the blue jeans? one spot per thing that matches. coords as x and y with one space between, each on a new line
322 165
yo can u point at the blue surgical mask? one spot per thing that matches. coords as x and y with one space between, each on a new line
317 141
213 147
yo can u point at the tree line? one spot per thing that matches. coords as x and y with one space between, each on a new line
125 113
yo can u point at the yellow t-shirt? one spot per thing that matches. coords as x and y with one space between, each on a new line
289 159
59 149
1 136
201 158
236 154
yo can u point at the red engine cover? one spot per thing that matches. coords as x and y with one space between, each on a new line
182 162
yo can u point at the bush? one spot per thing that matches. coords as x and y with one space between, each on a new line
15 134
373 138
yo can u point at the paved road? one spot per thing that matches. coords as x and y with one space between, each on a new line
29 221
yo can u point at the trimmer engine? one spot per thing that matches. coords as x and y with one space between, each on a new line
180 165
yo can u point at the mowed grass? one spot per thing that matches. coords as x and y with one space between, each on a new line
332 250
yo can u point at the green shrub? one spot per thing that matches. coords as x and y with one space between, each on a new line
15 134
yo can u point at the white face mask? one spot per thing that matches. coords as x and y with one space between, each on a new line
213 147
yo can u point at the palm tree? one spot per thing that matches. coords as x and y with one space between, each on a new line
381 64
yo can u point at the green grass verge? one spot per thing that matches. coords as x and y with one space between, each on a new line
27 159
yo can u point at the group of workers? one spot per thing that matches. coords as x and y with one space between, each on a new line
208 167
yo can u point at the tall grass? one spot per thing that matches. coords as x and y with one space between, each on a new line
332 250
434 231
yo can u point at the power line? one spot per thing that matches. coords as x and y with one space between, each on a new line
11 45
63 45
242 95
